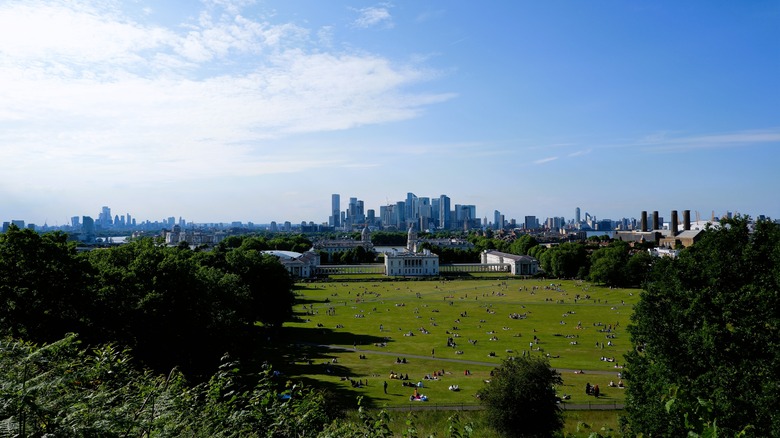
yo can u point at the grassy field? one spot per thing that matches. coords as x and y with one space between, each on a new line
578 423
376 323
358 327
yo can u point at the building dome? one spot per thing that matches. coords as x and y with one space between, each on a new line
411 239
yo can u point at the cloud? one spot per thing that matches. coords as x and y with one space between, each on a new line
580 153
85 86
545 160
374 16
230 6
663 142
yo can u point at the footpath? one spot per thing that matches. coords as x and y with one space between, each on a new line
441 359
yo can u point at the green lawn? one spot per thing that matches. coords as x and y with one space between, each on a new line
578 423
374 317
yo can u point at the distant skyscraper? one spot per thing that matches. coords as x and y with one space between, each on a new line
444 212
104 218
411 206
399 214
424 211
386 215
360 216
87 228
335 208
351 212
497 225
472 211
530 223
577 215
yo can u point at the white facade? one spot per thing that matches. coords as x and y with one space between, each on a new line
518 264
410 264
664 252
297 264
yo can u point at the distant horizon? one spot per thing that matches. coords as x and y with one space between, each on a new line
261 109
664 214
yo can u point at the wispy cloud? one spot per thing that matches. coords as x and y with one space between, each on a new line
580 153
550 146
374 16
545 160
144 100
664 142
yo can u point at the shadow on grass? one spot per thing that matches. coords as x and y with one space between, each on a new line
324 335
302 352
309 301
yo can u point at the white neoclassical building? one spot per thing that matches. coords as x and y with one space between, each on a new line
331 247
518 264
411 263
297 264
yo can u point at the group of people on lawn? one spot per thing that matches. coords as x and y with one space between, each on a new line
417 396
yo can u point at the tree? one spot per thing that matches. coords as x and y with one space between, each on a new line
566 260
607 264
268 282
707 323
537 251
42 285
177 307
385 238
520 398
523 244
638 268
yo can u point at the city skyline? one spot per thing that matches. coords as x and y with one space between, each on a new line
259 111
355 214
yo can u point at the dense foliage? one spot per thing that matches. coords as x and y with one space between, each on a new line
567 260
614 265
706 332
59 389
387 238
175 307
520 398
354 256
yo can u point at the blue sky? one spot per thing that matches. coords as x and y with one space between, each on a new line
224 110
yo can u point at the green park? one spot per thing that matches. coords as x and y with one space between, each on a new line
442 338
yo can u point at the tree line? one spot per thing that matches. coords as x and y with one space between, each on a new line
175 307
614 263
